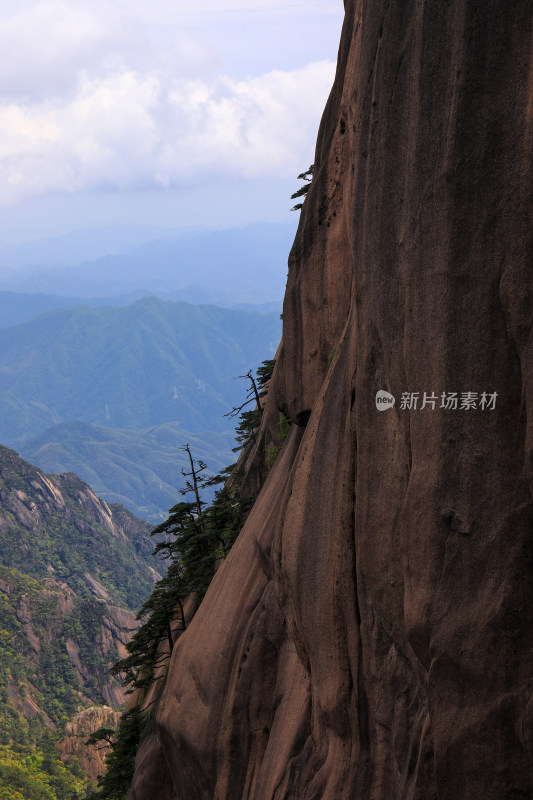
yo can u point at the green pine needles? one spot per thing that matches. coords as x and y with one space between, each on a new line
250 420
195 535
302 191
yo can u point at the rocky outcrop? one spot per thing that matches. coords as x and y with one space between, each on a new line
55 525
370 634
33 498
91 758
105 638
67 560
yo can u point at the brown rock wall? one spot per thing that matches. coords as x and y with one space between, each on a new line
370 634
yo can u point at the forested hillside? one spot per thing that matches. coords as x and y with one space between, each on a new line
72 569
146 364
140 380
139 469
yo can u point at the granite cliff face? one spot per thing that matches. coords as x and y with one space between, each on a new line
370 634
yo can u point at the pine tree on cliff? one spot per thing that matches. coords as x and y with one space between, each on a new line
302 191
120 763
195 535
187 548
250 420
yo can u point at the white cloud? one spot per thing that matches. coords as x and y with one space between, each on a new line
126 130
47 45
128 94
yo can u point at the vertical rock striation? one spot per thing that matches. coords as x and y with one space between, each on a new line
371 633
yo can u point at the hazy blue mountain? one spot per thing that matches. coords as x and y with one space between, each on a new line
75 247
112 393
144 365
248 265
140 469
202 295
17 307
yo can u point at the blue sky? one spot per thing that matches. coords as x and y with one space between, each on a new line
115 112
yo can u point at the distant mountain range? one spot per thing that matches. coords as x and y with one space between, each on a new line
147 364
238 265
17 307
73 248
106 366
111 393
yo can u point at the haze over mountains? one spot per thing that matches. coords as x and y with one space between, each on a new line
73 248
133 367
238 265
100 377
16 307
140 469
